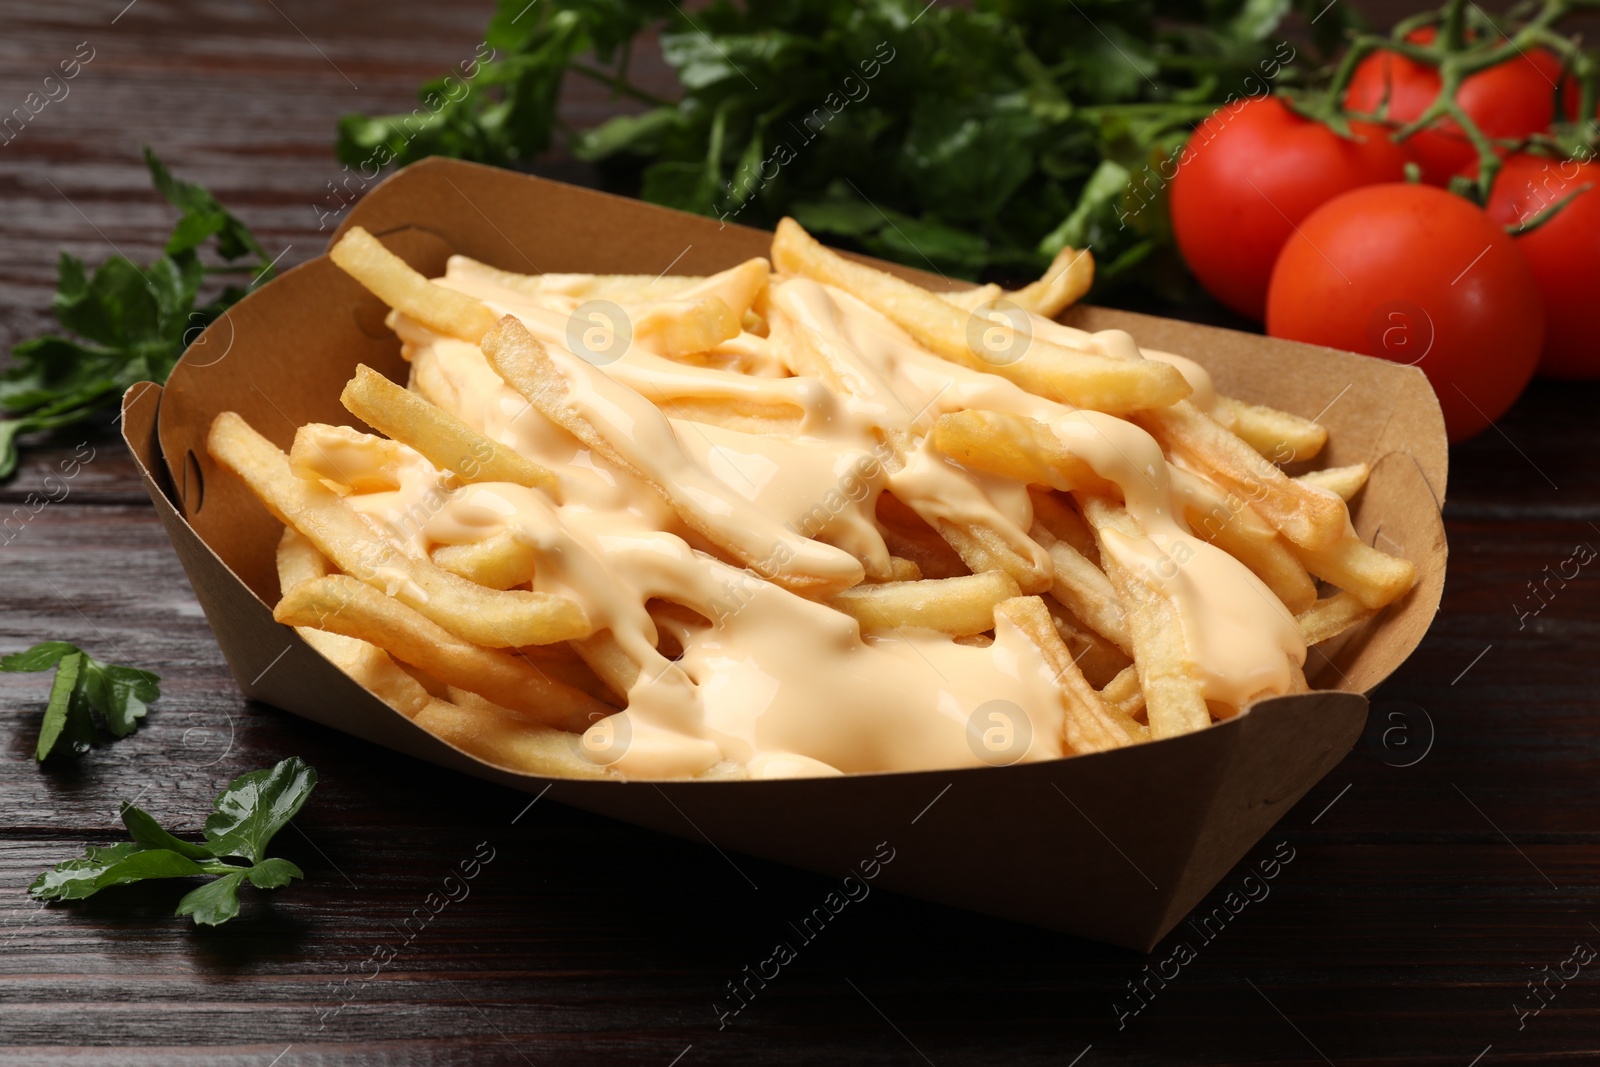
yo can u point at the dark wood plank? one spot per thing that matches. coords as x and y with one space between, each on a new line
1420 901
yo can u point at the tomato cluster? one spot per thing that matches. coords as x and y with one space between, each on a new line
1320 236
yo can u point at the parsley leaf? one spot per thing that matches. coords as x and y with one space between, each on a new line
125 323
83 685
253 808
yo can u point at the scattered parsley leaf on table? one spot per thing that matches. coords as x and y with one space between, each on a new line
249 812
83 686
125 323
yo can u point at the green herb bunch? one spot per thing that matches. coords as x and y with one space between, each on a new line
976 140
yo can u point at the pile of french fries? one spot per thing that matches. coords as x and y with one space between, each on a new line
457 637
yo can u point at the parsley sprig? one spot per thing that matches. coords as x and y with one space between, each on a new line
249 812
125 323
82 688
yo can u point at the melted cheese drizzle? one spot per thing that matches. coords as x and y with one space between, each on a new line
770 680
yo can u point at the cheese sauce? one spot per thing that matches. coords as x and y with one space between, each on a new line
769 680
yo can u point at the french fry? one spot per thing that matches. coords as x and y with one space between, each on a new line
1331 616
622 288
561 663
649 451
1238 531
492 618
1375 578
678 329
974 298
444 439
507 742
1277 435
1054 511
910 538
983 549
498 562
1305 515
299 561
1344 482
1124 699
394 281
1070 276
1050 370
346 605
1016 447
1083 589
1173 702
1089 727
1099 659
732 413
957 606
345 456
904 570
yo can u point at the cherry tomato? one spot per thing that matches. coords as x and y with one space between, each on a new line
1512 100
1563 252
1248 175
1415 275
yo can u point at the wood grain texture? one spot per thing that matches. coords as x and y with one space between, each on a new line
1419 901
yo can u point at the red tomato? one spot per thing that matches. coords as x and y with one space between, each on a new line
1512 100
1247 176
1563 253
1415 275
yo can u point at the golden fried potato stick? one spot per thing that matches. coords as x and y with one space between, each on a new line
345 605
983 549
1173 701
361 457
903 570
1016 447
1070 277
498 562
1277 435
1054 511
1125 701
446 441
1345 482
1099 659
678 329
1332 616
1083 589
734 413
1305 515
909 537
754 538
1376 578
488 617
956 606
1050 370
507 742
394 281
1089 726
974 298
561 663
299 561
1239 531
738 287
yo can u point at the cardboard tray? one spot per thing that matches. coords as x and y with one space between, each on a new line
1116 846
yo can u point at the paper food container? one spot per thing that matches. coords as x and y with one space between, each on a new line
1116 846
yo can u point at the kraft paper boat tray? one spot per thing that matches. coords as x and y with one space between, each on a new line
1116 846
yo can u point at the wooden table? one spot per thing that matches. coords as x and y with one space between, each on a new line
1420 902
